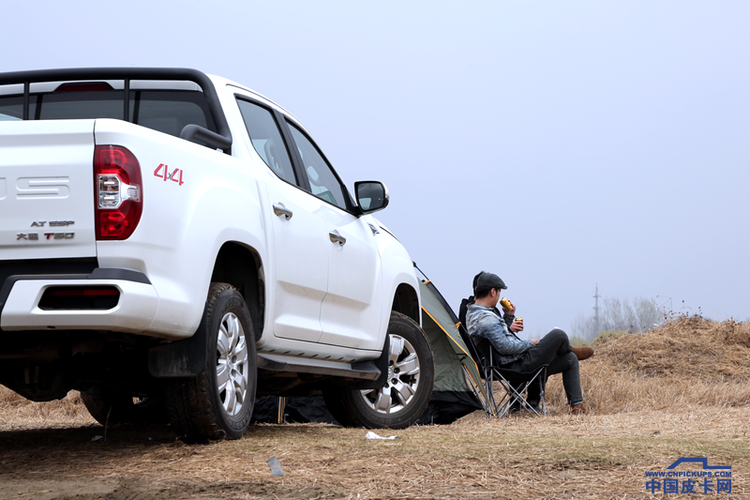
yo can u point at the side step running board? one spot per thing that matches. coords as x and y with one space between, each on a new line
363 370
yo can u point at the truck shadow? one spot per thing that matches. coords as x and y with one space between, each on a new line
38 450
143 462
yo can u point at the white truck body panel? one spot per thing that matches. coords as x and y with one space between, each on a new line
179 226
47 189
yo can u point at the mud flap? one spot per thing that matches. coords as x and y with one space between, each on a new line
182 358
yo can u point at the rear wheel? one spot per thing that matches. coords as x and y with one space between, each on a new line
407 391
218 402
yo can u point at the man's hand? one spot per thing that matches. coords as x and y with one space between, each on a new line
516 326
534 341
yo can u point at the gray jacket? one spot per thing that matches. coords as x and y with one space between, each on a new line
484 322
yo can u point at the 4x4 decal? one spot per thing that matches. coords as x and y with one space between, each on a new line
163 171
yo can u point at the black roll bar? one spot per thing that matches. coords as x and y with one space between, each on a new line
126 74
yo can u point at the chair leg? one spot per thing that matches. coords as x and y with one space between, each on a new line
510 397
543 389
491 407
539 377
513 395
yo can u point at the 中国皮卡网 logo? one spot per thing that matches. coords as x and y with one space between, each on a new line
710 479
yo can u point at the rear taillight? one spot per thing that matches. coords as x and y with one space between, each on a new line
119 192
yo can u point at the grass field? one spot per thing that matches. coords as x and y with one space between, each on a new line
682 390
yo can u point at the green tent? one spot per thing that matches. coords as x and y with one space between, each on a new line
458 388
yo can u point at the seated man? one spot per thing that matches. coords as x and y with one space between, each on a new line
483 320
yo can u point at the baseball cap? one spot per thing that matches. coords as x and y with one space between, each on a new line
489 280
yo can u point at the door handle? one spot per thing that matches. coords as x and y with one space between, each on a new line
280 210
337 238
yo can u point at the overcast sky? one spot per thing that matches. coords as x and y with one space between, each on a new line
560 145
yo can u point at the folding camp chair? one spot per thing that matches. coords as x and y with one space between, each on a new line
514 383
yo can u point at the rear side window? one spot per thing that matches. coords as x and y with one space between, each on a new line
167 111
11 113
266 139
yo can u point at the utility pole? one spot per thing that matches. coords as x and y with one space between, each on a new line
596 309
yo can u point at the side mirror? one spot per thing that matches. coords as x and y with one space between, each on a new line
371 196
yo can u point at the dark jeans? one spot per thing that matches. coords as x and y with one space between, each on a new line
552 349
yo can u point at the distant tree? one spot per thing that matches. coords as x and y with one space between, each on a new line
619 315
579 342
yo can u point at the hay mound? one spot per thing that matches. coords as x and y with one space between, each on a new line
687 362
692 347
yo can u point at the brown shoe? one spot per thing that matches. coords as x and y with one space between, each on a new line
578 409
583 352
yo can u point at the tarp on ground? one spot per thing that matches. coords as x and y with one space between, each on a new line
458 388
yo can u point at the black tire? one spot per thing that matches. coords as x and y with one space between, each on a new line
218 403
407 392
110 407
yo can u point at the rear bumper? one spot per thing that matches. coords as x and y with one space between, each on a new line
134 312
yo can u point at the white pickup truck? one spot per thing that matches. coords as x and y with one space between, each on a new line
173 244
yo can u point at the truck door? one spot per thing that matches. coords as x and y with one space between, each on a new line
300 243
351 312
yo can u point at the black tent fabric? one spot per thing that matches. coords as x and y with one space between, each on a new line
293 409
447 407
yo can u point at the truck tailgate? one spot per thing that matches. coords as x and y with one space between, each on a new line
46 189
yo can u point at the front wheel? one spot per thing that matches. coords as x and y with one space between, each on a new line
408 388
218 402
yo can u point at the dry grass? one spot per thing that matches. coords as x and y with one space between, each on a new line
689 361
20 413
680 390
